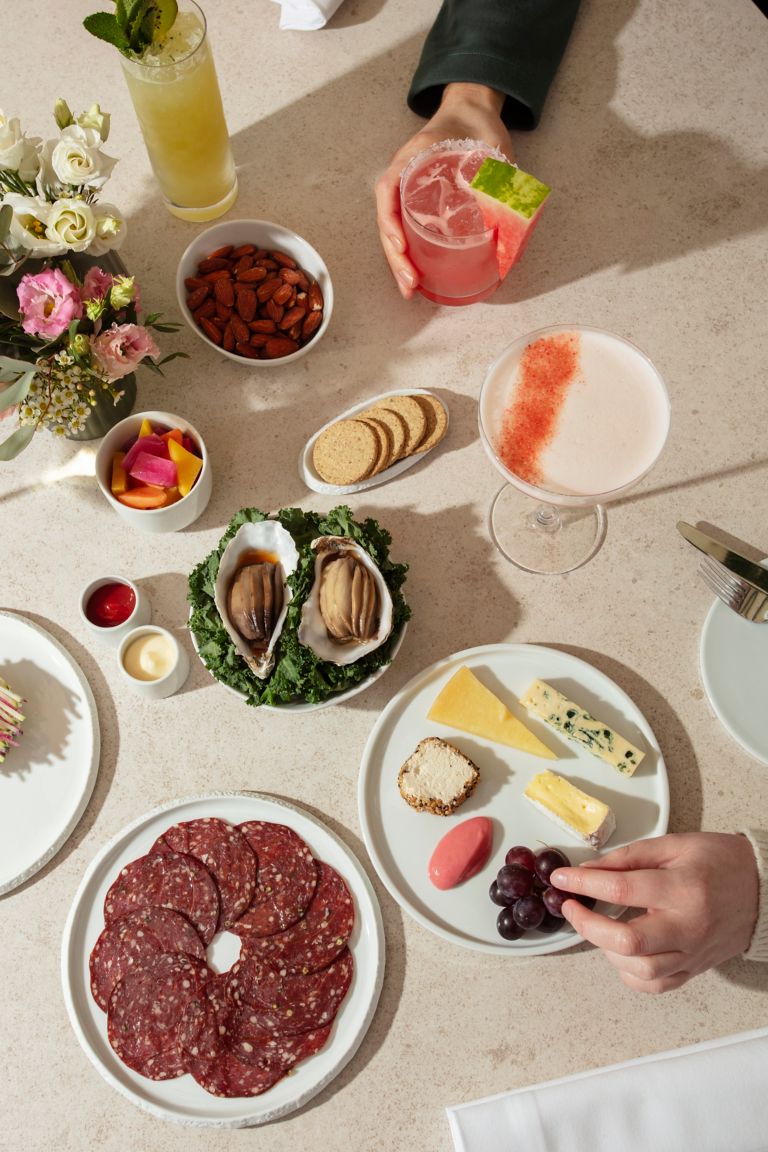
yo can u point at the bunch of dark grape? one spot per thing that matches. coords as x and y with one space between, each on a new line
528 900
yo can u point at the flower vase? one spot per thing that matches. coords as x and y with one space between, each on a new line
106 413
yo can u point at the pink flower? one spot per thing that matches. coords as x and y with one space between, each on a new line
48 303
119 350
96 284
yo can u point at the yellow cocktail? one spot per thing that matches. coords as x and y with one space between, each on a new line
176 97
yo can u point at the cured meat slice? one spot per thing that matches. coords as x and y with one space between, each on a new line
133 941
251 1045
204 1035
146 1010
288 1005
285 882
318 938
226 854
180 883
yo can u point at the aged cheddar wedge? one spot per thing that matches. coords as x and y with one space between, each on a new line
466 704
561 713
581 815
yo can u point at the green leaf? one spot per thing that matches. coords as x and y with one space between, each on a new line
15 393
16 442
136 13
6 218
9 366
104 26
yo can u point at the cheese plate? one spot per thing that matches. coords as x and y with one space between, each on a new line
400 840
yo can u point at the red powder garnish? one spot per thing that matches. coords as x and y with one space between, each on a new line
548 368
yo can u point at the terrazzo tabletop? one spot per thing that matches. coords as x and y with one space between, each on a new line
655 141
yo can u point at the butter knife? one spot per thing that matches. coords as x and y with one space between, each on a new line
734 561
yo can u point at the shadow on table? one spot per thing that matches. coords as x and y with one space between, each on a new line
109 742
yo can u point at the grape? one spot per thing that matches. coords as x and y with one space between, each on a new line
528 912
552 923
514 882
497 897
549 859
522 856
507 926
587 901
553 900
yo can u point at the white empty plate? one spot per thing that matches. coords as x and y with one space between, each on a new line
734 672
46 782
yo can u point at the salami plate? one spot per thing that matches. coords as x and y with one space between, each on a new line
183 1100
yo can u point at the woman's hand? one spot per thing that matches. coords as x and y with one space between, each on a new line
466 111
699 892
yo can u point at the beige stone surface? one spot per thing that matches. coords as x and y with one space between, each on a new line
655 139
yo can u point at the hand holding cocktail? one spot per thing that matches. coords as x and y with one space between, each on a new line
466 111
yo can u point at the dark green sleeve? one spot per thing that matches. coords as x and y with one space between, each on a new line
514 46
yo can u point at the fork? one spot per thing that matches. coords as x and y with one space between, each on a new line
738 594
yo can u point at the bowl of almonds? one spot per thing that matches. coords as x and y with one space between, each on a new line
254 291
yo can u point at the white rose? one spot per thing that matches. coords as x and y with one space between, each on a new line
72 223
17 152
28 231
111 229
77 159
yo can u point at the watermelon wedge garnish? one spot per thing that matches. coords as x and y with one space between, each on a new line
511 202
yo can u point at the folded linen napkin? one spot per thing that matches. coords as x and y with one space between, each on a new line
708 1097
306 15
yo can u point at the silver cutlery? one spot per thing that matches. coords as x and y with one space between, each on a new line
743 597
734 561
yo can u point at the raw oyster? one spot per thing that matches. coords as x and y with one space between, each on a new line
348 613
252 593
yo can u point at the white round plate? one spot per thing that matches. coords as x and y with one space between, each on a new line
303 706
400 840
46 782
734 671
313 480
183 1100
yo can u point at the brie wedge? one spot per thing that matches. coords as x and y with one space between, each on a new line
581 815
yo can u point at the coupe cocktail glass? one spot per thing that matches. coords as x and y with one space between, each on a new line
176 97
448 242
572 417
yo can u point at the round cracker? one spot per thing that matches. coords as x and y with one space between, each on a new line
384 437
397 428
345 452
413 415
437 421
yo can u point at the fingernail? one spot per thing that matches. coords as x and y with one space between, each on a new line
396 242
406 277
556 879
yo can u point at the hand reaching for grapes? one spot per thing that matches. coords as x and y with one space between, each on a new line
466 111
699 898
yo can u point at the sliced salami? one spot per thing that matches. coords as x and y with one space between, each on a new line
285 882
133 941
317 939
180 883
288 1005
146 1010
203 1030
225 852
252 1045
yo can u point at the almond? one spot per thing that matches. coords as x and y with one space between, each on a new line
252 275
228 341
211 331
291 317
315 296
243 250
207 309
283 294
311 324
265 325
267 289
246 304
224 292
240 329
274 311
214 264
247 350
283 259
196 297
278 346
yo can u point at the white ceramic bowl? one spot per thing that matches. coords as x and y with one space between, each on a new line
113 634
265 235
175 516
163 686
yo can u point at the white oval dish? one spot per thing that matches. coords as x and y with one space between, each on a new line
313 480
182 1100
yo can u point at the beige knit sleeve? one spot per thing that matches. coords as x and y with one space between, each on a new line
758 948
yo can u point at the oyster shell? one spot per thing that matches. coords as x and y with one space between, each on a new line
348 613
251 592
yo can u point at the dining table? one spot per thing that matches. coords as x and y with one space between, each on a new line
654 141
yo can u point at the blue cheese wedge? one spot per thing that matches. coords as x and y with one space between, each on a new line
581 815
578 725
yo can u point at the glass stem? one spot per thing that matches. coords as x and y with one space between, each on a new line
546 518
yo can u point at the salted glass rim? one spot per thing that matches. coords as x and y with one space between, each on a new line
547 495
468 145
140 62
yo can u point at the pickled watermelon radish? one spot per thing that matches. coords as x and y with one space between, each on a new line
511 202
149 445
151 469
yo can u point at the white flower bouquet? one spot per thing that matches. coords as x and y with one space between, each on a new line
49 191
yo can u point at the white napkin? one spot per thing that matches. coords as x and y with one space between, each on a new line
306 15
709 1097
